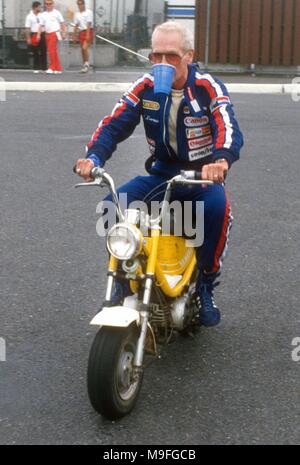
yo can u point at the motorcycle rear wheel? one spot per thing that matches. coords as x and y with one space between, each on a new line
112 388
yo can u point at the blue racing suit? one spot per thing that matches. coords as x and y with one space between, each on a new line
206 131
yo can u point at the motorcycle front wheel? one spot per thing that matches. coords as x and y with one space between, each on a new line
112 387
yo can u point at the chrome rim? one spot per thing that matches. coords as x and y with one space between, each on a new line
127 384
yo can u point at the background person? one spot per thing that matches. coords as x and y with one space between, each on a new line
54 24
36 38
84 22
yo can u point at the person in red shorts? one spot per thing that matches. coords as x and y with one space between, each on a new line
55 28
83 21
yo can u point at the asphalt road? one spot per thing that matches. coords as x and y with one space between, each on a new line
233 384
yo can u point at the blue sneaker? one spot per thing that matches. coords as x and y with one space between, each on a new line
209 314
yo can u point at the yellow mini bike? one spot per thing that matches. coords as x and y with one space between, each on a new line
161 272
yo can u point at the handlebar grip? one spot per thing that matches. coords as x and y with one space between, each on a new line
198 176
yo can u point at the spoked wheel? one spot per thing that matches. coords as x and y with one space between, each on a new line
113 387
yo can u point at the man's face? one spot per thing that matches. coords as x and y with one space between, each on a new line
37 9
171 42
49 5
81 5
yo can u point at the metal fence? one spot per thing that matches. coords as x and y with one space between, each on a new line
128 23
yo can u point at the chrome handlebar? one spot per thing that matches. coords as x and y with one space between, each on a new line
102 178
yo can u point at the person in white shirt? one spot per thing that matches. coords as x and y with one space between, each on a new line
55 28
36 39
84 22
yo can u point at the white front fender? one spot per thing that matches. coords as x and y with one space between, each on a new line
116 316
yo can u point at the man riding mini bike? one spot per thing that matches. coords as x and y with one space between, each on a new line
190 125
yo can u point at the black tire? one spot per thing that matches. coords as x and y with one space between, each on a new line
112 391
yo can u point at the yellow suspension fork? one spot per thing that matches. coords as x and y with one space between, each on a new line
112 269
144 313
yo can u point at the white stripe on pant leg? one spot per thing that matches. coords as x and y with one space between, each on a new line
224 252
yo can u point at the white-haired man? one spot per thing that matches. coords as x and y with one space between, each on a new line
193 127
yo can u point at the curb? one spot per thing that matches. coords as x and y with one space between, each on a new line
64 86
120 87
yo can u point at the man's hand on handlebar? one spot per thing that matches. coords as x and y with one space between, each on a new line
215 172
84 167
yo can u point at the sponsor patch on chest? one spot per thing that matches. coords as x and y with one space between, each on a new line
198 132
198 143
150 105
193 121
202 153
151 120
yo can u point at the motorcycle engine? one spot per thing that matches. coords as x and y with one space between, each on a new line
182 312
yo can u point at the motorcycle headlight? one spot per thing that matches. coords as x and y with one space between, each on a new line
124 241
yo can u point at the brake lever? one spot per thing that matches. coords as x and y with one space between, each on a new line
97 183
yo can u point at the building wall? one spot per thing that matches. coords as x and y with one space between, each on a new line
16 11
262 32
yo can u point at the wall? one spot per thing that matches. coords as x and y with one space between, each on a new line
263 32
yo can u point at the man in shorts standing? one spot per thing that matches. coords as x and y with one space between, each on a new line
84 23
